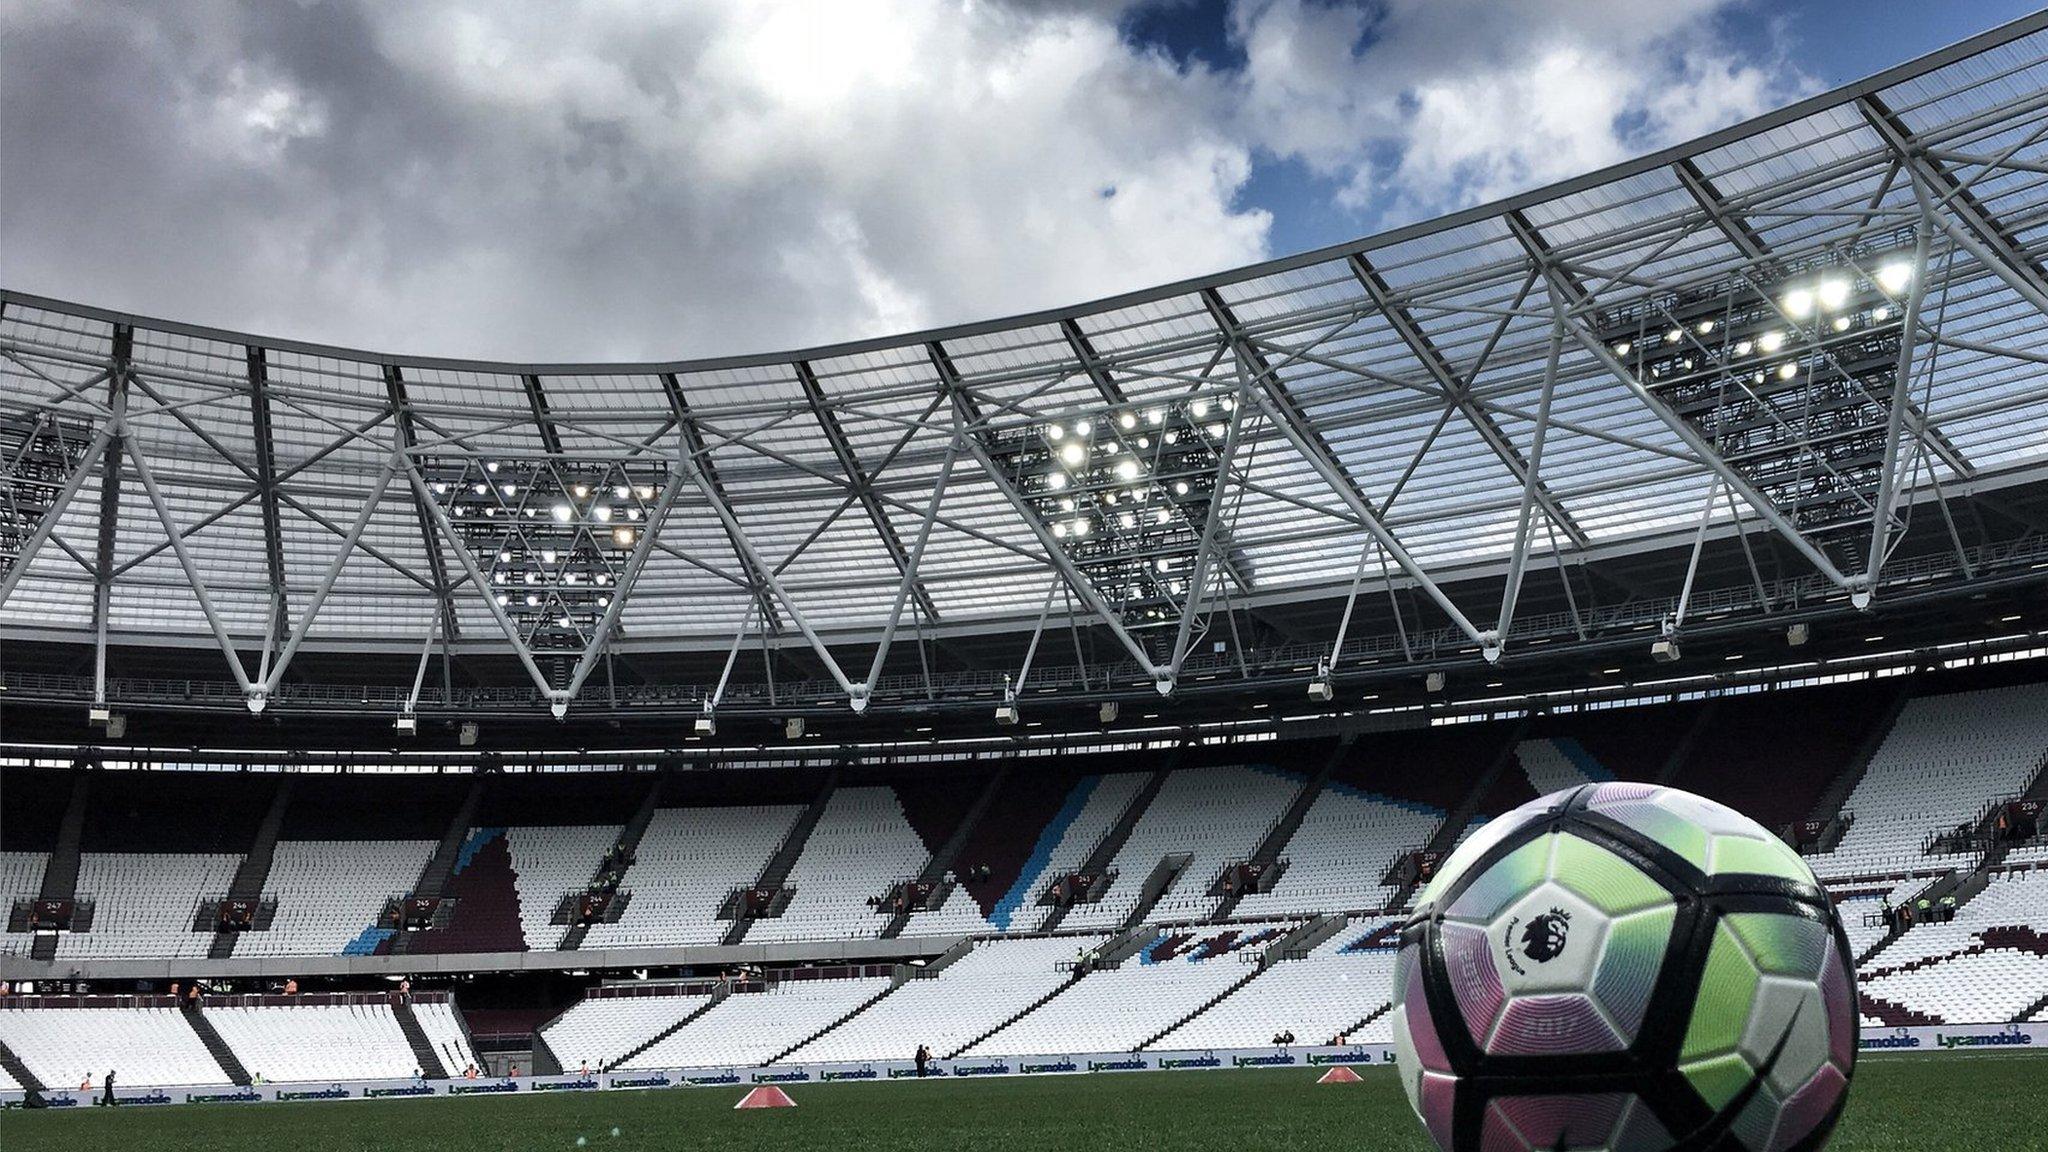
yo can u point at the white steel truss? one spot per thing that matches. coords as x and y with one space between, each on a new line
1418 414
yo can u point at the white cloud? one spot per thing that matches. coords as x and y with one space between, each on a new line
1417 106
652 180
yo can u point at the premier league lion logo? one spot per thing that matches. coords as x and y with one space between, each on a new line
1543 940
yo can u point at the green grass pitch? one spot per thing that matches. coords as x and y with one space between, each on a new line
1903 1103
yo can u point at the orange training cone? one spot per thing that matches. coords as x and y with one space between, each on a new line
1339 1075
769 1096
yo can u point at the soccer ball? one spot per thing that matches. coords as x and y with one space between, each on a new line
1630 968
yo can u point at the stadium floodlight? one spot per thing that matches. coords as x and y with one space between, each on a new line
408 724
1006 713
1107 712
707 722
467 734
1126 504
793 728
1809 404
1320 689
1434 682
1797 635
557 528
98 714
117 726
1664 650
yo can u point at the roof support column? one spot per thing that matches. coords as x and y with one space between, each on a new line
192 577
110 513
1563 289
1280 410
863 690
1531 484
1459 393
949 379
687 466
407 436
260 694
696 450
1902 380
1212 538
862 483
608 624
266 484
477 578
1957 211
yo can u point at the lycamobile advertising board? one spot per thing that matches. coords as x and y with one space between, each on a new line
1933 1038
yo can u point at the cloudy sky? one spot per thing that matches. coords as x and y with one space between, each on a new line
656 179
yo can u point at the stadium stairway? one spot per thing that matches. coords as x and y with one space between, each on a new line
1446 836
230 1064
1681 752
942 860
60 875
857 1010
1304 939
717 997
1943 885
1256 970
1027 1010
1112 841
1892 1015
440 866
20 1072
1163 876
776 874
1298 942
2027 1013
1283 829
1830 803
416 1037
254 870
630 836
1368 1018
1967 885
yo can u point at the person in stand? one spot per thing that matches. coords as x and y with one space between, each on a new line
405 989
583 1069
192 995
923 1057
85 1085
291 985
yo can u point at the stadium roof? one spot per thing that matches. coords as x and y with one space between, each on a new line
1799 328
